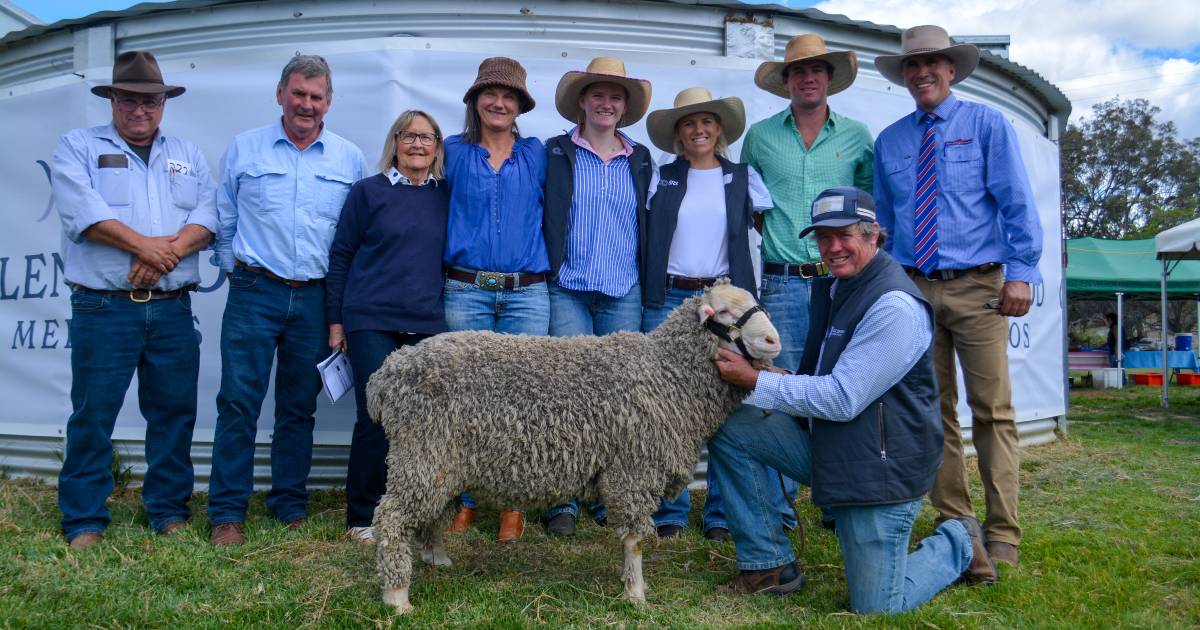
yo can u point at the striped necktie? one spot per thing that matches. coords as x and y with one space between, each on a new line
925 219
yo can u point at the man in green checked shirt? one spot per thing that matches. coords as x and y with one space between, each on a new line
800 152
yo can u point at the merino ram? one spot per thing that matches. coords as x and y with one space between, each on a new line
532 421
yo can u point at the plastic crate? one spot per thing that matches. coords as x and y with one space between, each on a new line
1190 379
1108 378
1152 378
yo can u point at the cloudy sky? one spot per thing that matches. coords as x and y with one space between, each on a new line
1091 49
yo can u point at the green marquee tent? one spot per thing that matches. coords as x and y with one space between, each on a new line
1101 267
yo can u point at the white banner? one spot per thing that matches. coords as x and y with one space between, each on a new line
374 81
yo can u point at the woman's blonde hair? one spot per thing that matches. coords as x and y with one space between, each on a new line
720 146
403 122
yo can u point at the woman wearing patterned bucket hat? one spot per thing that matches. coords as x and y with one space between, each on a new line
495 254
697 230
597 184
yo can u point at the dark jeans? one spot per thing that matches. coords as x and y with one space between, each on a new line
264 320
366 473
111 338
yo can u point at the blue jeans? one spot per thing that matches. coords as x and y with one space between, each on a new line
786 298
880 573
264 320
366 472
520 311
591 313
111 338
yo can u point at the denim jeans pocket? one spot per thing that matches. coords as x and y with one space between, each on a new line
457 286
770 286
241 279
87 302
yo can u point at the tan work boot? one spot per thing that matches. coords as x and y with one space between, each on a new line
226 535
512 525
462 520
981 570
1003 553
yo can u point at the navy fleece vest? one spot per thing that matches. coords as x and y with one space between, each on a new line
560 189
891 451
664 216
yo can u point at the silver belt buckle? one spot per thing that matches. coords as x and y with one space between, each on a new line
490 280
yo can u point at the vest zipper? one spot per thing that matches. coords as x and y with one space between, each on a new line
882 433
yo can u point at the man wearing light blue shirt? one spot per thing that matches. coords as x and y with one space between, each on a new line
858 423
280 194
136 205
951 187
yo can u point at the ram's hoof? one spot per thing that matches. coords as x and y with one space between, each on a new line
435 558
398 599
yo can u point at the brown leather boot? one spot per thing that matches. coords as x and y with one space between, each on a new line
512 525
782 580
1003 553
83 541
462 520
981 570
226 535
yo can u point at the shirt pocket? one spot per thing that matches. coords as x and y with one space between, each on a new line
331 194
113 186
900 177
261 188
185 191
963 167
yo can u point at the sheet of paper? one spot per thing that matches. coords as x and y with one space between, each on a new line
336 376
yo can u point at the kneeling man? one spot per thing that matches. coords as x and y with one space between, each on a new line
859 424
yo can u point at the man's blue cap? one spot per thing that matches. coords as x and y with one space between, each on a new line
839 207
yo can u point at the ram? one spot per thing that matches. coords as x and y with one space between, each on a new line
620 418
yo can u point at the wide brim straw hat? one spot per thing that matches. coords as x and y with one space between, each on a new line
504 72
928 40
137 71
602 70
660 124
808 47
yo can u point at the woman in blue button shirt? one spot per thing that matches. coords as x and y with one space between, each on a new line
495 256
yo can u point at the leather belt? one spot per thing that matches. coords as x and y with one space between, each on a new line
140 296
950 274
494 280
805 270
689 284
295 284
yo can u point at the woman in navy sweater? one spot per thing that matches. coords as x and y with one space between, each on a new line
384 286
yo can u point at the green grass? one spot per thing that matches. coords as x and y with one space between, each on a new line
1112 531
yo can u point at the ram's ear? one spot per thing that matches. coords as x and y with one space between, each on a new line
704 312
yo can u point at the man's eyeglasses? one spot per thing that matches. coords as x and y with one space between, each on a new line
129 104
409 138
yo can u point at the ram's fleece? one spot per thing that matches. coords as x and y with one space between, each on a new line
533 421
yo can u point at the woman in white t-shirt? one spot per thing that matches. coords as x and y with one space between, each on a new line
697 230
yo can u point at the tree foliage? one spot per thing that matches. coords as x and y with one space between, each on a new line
1127 175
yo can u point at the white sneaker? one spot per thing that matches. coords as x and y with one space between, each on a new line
365 535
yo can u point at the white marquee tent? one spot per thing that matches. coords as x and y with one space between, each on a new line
1181 242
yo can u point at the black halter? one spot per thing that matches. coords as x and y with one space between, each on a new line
726 332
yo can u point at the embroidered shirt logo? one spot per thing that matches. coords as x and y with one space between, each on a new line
667 182
834 331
